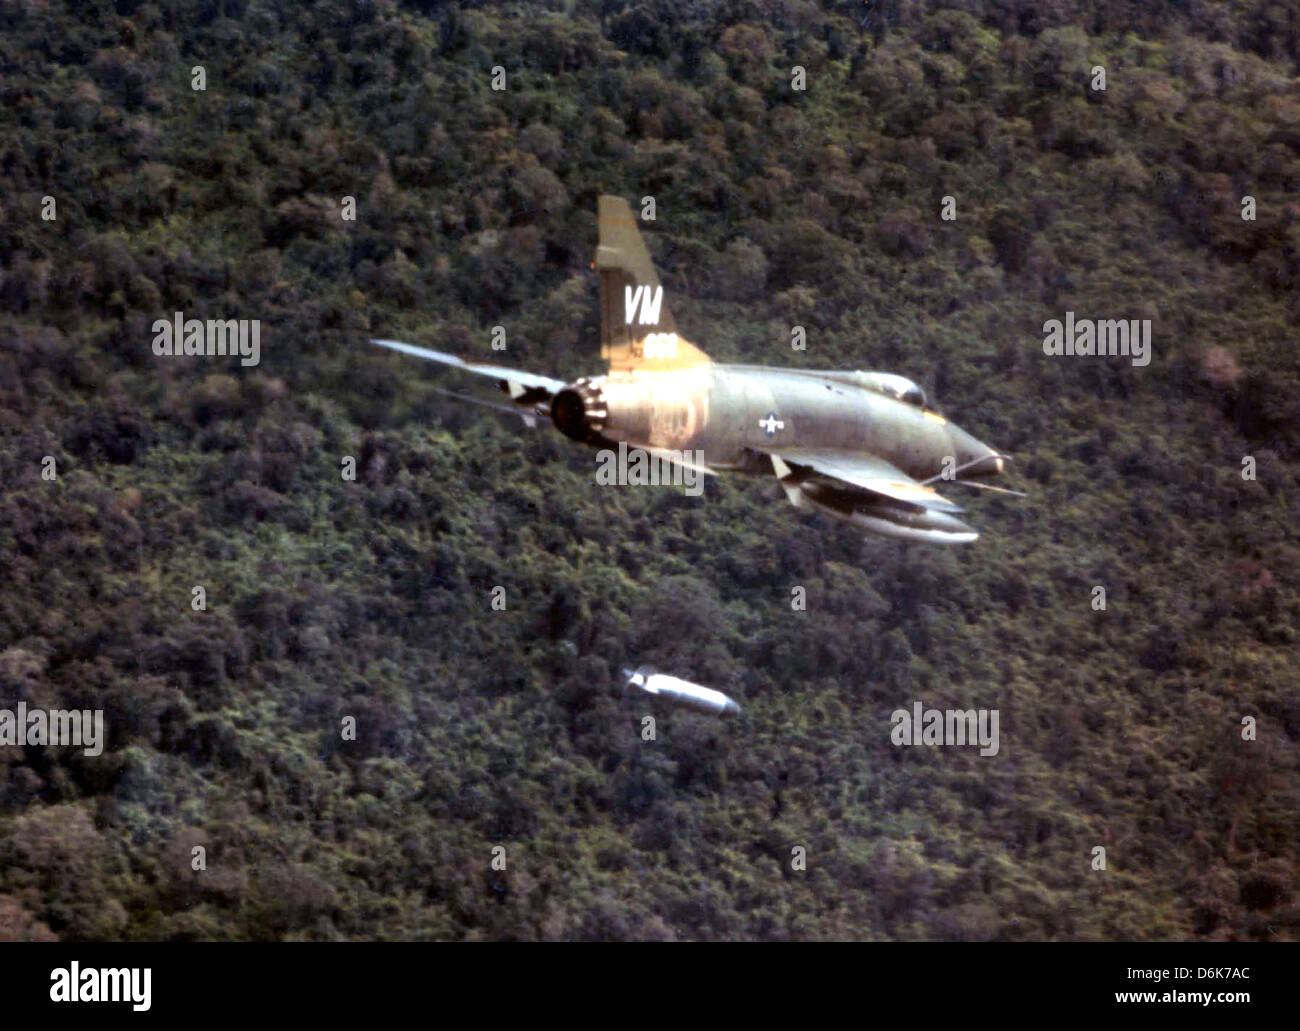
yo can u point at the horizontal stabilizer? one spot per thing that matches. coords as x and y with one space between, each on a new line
528 415
541 387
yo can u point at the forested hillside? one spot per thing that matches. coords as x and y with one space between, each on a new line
326 597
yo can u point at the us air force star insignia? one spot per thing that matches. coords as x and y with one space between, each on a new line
771 424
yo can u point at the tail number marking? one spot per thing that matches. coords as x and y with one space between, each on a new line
660 345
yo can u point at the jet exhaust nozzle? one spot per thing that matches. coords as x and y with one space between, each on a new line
579 412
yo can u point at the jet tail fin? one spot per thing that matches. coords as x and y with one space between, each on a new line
637 331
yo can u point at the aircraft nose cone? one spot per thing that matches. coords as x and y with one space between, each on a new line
974 457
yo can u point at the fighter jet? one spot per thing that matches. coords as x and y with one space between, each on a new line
861 447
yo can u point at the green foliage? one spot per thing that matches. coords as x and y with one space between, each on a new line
330 598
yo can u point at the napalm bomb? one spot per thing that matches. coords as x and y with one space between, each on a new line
681 693
861 447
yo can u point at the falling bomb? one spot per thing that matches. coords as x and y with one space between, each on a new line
682 693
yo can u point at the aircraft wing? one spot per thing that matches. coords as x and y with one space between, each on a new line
863 472
523 387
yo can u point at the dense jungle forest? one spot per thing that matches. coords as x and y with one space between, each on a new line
331 601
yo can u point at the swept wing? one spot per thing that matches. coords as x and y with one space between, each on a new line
863 472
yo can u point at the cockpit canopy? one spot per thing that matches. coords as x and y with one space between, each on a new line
899 387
